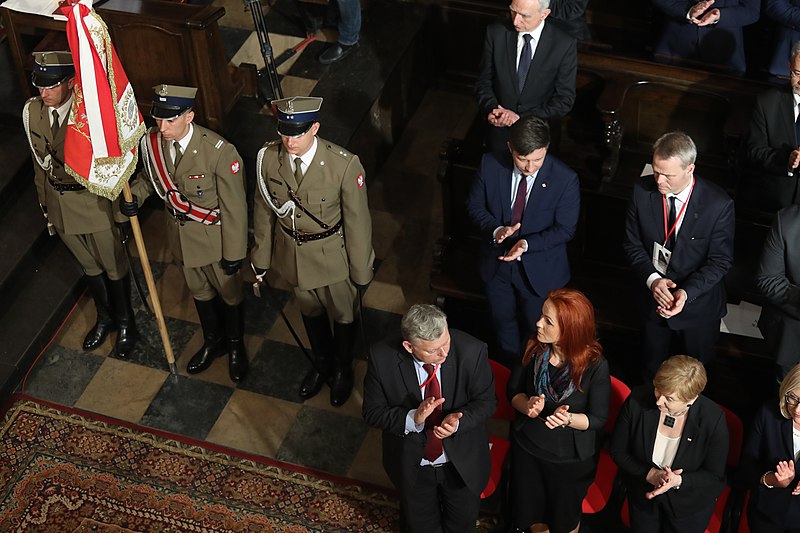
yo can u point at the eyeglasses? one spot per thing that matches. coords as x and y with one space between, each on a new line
792 400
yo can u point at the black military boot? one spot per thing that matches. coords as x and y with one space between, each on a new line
234 329
98 288
319 335
341 381
213 336
123 311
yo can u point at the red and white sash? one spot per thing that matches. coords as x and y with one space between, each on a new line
174 198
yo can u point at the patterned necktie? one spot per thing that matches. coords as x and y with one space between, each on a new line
524 62
298 170
178 152
433 444
671 223
54 126
518 209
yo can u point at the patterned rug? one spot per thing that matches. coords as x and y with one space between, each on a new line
67 471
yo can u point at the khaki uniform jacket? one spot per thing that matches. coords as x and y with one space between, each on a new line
332 188
210 174
73 212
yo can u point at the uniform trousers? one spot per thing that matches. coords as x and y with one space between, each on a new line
98 252
544 492
440 502
659 339
207 281
658 519
337 299
514 308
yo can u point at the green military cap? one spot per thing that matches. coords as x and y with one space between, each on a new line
296 114
52 68
171 101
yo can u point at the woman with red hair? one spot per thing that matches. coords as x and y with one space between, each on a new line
561 391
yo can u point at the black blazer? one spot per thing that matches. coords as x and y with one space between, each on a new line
702 452
391 389
770 140
703 251
778 278
770 441
593 402
549 90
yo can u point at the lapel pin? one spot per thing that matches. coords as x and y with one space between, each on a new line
322 163
689 439
544 185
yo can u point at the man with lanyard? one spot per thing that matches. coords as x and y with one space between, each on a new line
83 220
200 177
313 227
431 391
679 241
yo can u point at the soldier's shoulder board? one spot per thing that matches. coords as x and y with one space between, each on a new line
338 151
212 138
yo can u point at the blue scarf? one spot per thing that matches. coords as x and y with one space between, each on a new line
560 387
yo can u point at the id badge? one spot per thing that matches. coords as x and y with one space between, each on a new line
661 256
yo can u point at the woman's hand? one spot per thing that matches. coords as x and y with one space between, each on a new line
535 406
784 474
669 479
559 418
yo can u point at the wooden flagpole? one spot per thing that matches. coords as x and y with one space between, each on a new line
151 284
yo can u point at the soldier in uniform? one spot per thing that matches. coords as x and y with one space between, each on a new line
83 220
200 177
312 226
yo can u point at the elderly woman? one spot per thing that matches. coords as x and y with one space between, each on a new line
770 456
671 445
561 392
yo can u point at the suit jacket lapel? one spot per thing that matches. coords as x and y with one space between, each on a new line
538 194
543 49
449 369
505 179
285 170
511 54
787 114
650 426
657 212
786 437
408 373
188 157
693 211
689 435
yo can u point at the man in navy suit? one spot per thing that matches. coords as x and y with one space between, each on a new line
431 391
525 204
786 16
709 31
528 68
679 241
772 144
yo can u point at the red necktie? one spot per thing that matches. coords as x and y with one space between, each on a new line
433 444
519 201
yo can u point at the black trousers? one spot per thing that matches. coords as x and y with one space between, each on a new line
759 522
661 342
440 502
656 519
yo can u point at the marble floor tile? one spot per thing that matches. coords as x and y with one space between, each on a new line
385 227
153 220
323 440
254 423
307 65
280 331
121 390
368 462
187 406
378 325
276 370
294 86
61 375
174 296
237 15
261 314
149 350
233 38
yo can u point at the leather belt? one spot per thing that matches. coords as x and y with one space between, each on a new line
65 187
300 237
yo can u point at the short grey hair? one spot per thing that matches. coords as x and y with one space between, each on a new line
423 322
795 50
676 144
544 4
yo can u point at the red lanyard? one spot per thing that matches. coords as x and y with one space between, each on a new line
677 218
433 375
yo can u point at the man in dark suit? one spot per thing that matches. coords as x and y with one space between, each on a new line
785 14
542 83
708 31
679 241
772 143
431 392
570 16
778 278
526 204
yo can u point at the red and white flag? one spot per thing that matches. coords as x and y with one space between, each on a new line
104 127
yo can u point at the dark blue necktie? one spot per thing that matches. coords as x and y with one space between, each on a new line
524 62
797 130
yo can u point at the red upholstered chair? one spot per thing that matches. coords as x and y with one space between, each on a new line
600 490
744 525
498 446
721 511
